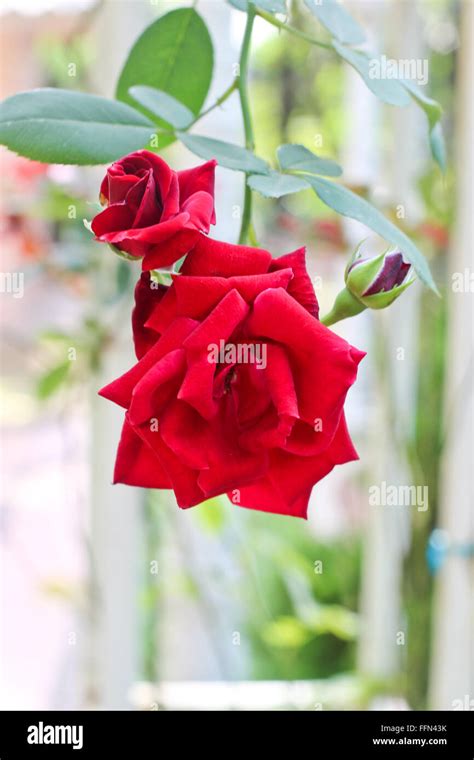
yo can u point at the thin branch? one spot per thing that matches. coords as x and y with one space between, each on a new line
292 30
226 94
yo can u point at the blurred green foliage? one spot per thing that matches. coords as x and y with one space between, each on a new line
303 594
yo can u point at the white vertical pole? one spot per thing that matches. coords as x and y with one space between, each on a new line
387 533
116 511
452 674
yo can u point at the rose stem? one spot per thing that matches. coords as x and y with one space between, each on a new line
247 119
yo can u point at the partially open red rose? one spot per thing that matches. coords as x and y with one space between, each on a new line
152 212
239 388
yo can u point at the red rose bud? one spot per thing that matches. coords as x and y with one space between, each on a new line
152 212
372 283
382 277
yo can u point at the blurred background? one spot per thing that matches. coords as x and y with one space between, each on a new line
113 597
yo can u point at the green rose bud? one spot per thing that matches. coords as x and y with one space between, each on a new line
372 283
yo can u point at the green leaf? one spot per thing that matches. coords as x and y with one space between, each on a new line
336 620
337 20
274 185
273 6
52 380
241 5
226 154
64 127
397 92
349 204
299 158
431 107
286 632
122 254
438 147
391 91
433 111
174 55
164 106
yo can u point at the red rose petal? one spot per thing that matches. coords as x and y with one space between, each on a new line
287 486
300 287
157 387
199 178
136 464
183 479
120 391
197 296
164 254
324 365
148 295
212 258
112 220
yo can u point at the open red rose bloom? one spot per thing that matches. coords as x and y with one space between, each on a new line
238 387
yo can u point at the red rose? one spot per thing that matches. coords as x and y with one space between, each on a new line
153 212
263 430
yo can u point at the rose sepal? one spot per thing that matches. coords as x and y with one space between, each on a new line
346 305
385 298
